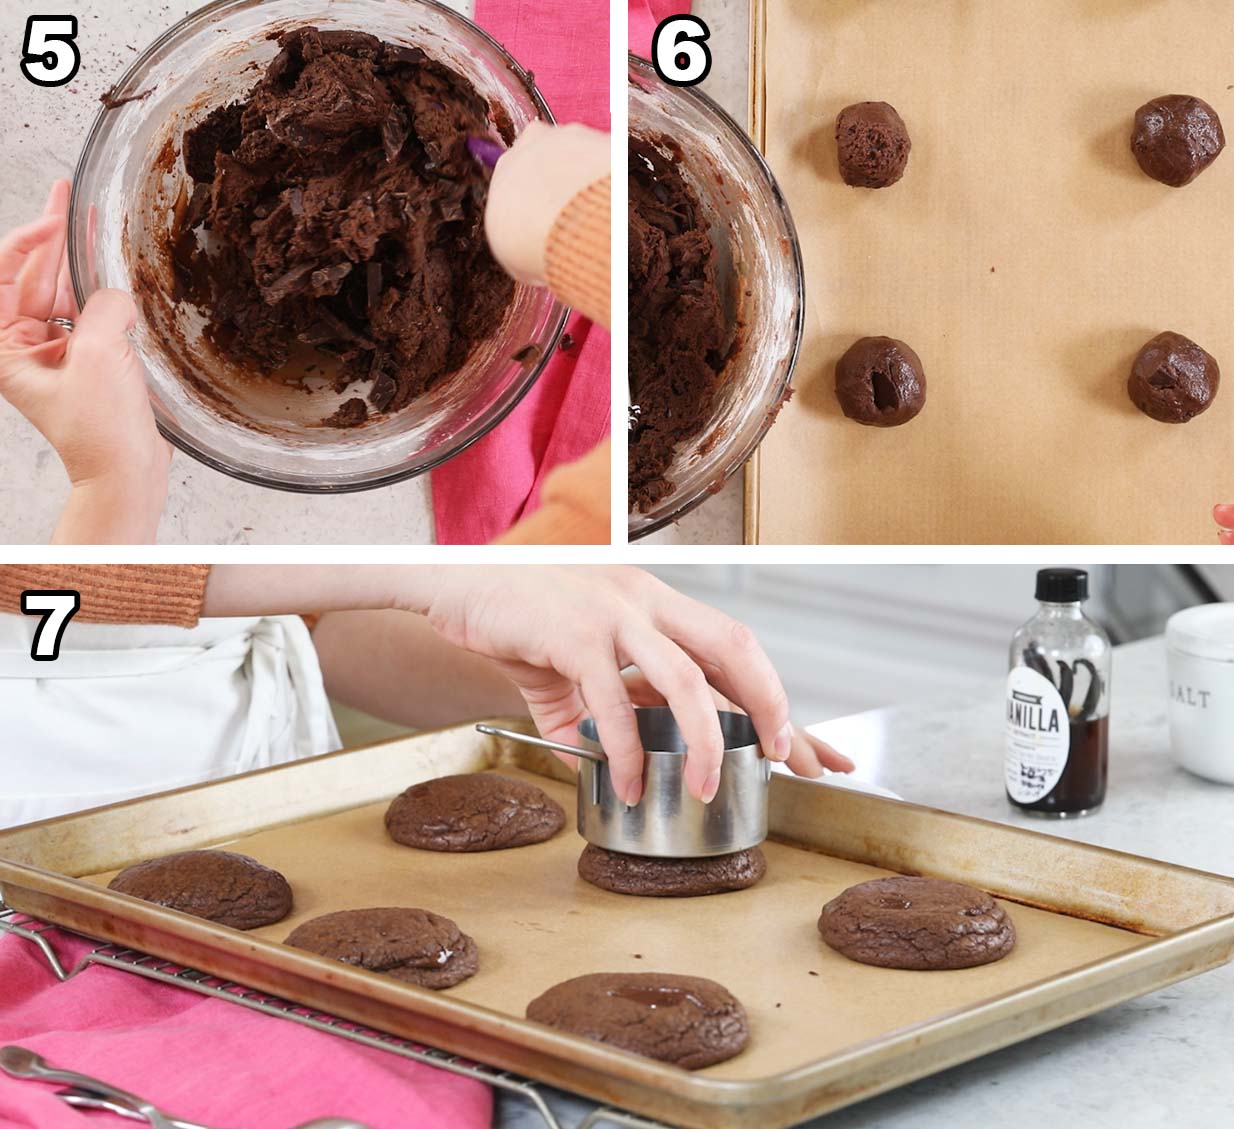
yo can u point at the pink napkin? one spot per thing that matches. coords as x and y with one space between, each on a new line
481 493
203 1059
645 15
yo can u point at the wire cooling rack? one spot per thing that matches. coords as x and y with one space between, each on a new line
41 935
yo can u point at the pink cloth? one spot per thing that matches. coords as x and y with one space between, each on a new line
203 1059
645 15
485 490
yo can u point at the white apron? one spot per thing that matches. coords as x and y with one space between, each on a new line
130 710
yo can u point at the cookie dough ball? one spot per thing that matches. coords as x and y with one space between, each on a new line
409 944
880 382
917 923
874 145
473 812
1176 138
670 878
1173 379
221 886
685 1020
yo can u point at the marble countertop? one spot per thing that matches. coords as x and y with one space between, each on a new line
1139 1064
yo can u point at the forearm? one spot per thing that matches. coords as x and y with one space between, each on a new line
112 513
393 665
578 255
305 589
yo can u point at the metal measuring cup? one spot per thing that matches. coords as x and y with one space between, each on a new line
668 822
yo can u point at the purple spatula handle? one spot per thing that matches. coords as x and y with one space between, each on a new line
485 151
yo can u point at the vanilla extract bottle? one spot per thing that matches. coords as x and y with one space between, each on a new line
1058 703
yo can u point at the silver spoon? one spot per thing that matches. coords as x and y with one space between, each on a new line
22 1063
80 1098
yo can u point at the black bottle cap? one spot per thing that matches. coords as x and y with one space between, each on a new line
1062 585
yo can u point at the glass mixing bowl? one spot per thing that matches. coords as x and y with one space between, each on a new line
125 192
760 277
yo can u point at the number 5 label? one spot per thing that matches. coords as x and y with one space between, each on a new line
49 55
679 50
56 607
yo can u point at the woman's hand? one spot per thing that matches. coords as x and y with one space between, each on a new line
84 391
533 182
564 635
809 756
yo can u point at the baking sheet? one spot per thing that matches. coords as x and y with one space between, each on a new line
804 1000
1024 256
1173 923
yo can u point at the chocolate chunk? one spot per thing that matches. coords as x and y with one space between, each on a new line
880 382
1173 379
1176 138
873 144
383 391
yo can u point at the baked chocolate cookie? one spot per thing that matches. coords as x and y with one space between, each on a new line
873 145
685 1020
1176 138
670 878
220 886
476 812
917 923
409 944
1173 379
880 381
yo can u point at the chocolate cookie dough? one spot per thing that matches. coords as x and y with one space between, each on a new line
1173 379
873 144
917 923
409 944
880 382
1176 138
685 1020
220 886
337 207
670 878
678 340
476 812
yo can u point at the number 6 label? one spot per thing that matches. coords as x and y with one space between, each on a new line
679 50
56 607
49 55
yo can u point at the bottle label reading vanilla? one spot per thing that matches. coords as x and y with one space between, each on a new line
1038 736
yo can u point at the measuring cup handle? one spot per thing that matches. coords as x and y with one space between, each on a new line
556 746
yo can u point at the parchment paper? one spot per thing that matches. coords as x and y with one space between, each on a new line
537 923
1024 256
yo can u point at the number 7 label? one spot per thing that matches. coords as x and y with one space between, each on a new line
56 607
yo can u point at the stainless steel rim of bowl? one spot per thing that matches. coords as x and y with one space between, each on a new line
127 83
641 68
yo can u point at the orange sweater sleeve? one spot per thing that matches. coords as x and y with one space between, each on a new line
167 594
579 254
575 506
